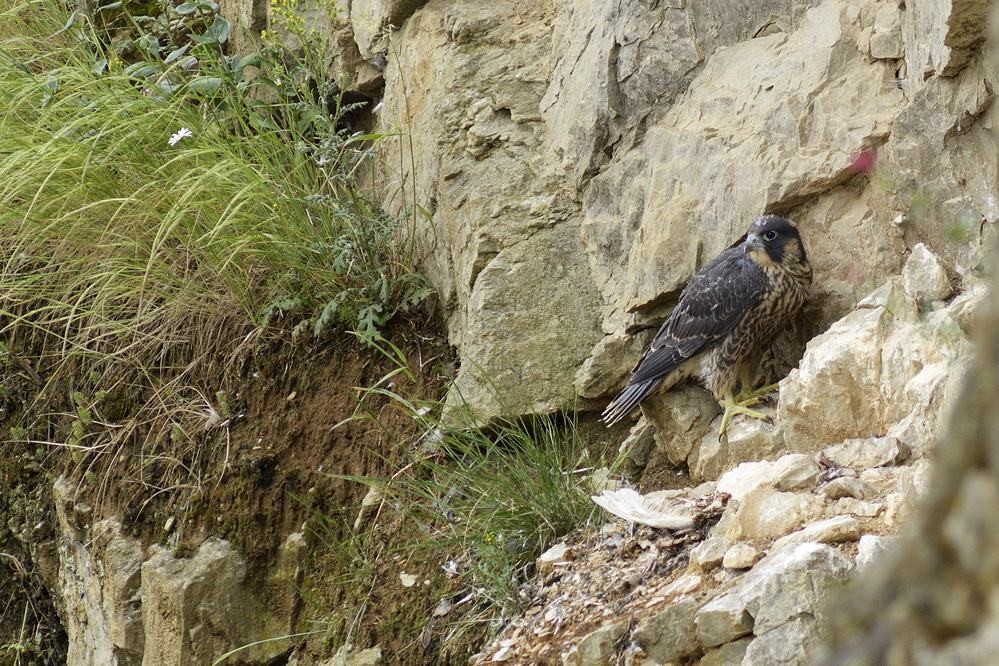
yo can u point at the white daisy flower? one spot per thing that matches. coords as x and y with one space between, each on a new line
180 135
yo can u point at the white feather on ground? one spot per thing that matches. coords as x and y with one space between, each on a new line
628 504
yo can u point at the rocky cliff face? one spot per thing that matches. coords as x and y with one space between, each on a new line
568 166
123 604
565 167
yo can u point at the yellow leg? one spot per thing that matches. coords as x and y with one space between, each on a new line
742 404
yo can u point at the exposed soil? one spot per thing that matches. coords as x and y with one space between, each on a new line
29 627
294 430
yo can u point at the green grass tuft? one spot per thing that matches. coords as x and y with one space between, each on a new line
118 242
484 504
138 265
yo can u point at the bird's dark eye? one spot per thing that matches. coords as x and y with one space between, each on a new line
770 235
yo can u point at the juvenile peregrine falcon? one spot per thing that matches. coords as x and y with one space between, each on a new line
726 314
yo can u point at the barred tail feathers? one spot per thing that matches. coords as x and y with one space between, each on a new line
627 400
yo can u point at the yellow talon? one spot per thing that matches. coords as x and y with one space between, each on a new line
742 404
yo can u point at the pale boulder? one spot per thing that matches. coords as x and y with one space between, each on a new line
740 556
791 582
722 619
830 530
765 513
863 453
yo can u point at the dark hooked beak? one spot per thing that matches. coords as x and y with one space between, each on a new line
753 242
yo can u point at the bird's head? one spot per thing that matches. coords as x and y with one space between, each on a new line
771 239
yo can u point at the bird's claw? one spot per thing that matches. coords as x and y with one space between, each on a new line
742 406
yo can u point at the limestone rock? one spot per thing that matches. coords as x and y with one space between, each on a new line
794 643
881 480
681 418
766 514
684 585
662 201
99 585
369 503
967 305
893 297
940 37
747 477
605 370
940 154
874 374
747 440
729 654
795 471
348 656
863 453
637 447
495 224
504 217
709 553
557 333
740 556
923 277
849 505
184 604
126 606
669 635
830 530
558 555
620 63
897 509
792 582
597 647
368 657
871 548
845 486
558 235
370 18
828 398
886 39
722 619
853 248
